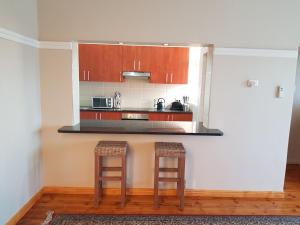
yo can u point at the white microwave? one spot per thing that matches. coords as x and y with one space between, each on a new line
102 102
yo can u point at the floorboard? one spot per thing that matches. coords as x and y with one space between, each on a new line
83 204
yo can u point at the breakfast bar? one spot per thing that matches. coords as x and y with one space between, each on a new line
140 127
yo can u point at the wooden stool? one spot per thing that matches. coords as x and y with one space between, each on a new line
169 149
110 149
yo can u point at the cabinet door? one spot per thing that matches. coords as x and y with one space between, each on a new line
144 57
158 67
87 115
109 63
88 58
129 58
111 116
182 117
158 116
177 65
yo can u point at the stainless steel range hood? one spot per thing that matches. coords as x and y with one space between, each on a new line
136 75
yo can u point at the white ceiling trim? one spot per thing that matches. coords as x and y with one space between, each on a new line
16 37
256 52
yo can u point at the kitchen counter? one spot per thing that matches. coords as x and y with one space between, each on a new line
140 127
140 110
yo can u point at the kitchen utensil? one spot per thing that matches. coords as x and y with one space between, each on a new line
176 105
117 100
160 104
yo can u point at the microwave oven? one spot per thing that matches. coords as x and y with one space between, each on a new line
102 102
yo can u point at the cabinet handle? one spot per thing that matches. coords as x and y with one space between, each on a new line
96 116
120 76
88 75
84 75
167 78
139 65
100 116
171 77
134 64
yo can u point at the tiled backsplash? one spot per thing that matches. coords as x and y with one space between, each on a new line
135 93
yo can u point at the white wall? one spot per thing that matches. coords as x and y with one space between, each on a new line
252 153
294 142
233 23
255 124
20 151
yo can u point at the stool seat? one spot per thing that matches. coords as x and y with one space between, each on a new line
111 148
169 149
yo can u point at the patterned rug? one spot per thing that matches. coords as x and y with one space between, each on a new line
173 220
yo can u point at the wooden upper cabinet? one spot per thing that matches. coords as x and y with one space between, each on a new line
129 59
109 63
177 66
87 62
101 63
137 58
105 63
170 65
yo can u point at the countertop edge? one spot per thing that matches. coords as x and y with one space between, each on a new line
65 130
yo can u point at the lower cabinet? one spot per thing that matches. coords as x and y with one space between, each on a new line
91 115
88 115
170 116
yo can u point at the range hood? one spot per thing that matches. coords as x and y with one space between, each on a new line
136 75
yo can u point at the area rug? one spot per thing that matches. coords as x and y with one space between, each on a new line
173 220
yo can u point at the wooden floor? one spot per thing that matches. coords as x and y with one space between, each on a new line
83 204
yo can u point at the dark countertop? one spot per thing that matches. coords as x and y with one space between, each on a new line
139 127
145 110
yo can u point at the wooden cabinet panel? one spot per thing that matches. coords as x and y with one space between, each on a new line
158 116
129 60
170 116
87 62
88 115
182 117
169 65
158 70
178 65
111 115
101 63
109 63
143 58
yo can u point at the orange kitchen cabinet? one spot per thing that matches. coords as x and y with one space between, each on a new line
111 116
137 58
102 63
170 65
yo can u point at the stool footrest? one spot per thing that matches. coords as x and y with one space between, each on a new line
111 168
168 179
110 178
168 169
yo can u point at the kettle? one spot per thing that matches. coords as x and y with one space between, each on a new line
176 105
160 105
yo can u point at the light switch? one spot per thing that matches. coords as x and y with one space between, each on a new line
280 92
252 83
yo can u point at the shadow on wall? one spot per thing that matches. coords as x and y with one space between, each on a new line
294 141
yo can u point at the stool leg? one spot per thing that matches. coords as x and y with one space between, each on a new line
182 172
96 179
178 176
156 175
100 178
123 181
